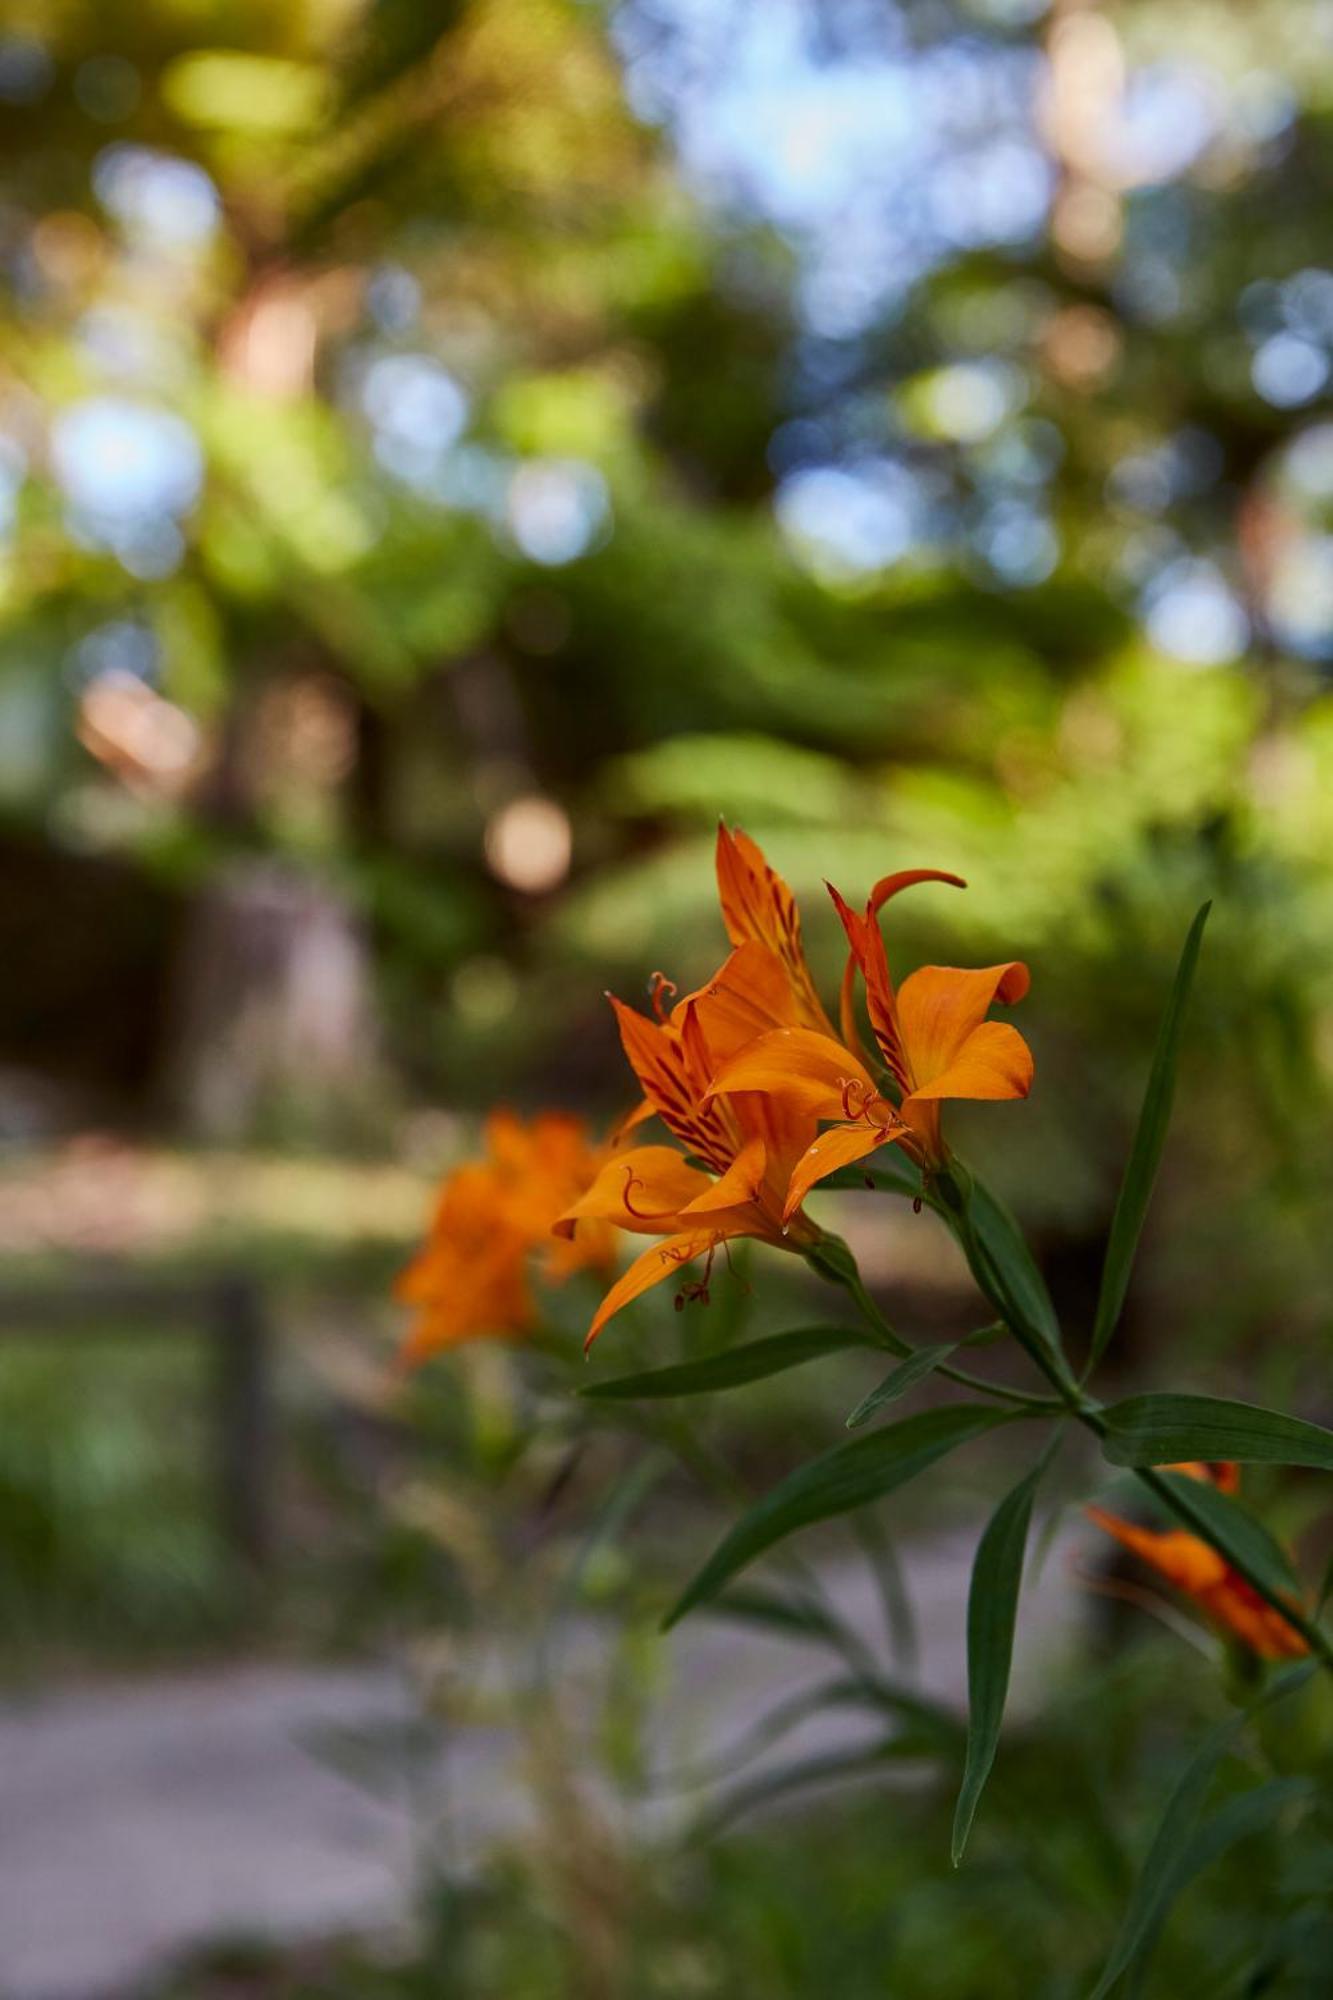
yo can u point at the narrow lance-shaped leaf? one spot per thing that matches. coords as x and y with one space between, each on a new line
1246 1813
1160 1879
1166 1429
731 1369
900 1379
795 1617
1005 1268
895 1598
992 1610
849 1476
914 1717
824 1768
1146 1152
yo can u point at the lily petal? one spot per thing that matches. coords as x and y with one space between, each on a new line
889 886
812 1071
994 1063
658 1057
740 1185
840 1146
664 1260
941 1006
758 907
644 1188
867 954
1220 1472
750 996
1183 1559
1192 1567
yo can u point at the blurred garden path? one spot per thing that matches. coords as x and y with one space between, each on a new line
139 1821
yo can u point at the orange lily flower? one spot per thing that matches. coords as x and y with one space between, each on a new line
746 1143
472 1277
932 1036
1192 1567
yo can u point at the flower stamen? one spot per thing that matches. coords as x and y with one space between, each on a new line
661 989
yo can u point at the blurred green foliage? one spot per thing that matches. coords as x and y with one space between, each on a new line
398 428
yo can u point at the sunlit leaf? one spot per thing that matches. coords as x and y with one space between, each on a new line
1146 1152
849 1476
1166 1429
737 1365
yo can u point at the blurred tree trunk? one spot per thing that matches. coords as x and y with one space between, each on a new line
274 1033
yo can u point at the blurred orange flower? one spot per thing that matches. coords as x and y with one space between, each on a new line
1223 1473
472 1277
1190 1566
742 1146
933 1040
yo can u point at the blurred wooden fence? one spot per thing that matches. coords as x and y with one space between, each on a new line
229 1313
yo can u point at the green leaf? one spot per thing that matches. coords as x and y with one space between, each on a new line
849 1476
841 1691
900 1379
734 1367
824 1768
1146 1152
794 1617
1161 1878
1241 1535
895 1599
1246 1813
992 1610
1006 1271
924 1721
1165 1429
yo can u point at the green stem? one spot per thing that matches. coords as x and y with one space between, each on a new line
964 1377
841 1267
